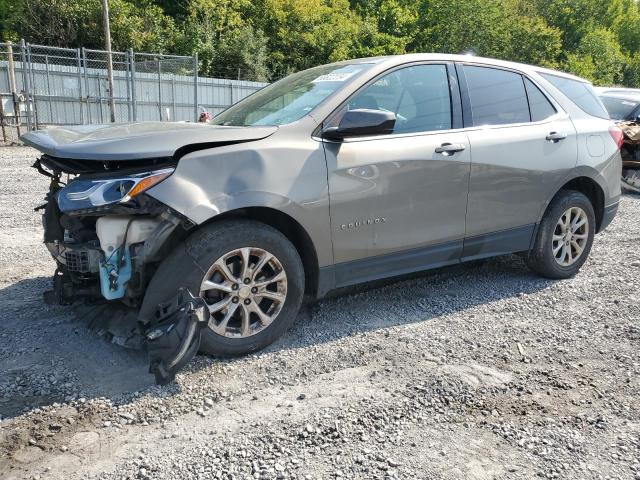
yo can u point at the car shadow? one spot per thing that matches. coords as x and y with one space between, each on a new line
48 354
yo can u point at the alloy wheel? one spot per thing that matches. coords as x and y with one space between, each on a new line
570 236
245 290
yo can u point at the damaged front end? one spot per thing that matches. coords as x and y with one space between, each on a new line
107 238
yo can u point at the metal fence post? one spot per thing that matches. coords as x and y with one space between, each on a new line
86 84
127 66
32 86
159 87
4 132
26 82
195 87
79 73
49 96
173 98
13 86
132 71
99 103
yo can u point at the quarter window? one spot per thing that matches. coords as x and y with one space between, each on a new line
540 106
580 93
418 95
497 97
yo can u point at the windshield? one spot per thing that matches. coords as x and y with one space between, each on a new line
290 98
620 108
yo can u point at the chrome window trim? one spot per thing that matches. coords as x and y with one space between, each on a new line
557 116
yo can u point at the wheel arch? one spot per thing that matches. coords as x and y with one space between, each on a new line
289 227
589 187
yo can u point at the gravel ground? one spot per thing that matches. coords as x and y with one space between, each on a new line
478 371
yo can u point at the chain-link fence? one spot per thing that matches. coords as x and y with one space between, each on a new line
42 86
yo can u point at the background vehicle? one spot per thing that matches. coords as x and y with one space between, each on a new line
623 104
336 175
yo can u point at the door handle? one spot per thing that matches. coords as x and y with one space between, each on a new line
450 148
555 137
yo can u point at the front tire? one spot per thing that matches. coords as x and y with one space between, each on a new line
564 237
249 274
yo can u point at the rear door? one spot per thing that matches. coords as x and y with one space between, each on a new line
522 144
400 198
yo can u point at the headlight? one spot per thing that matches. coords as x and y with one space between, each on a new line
84 193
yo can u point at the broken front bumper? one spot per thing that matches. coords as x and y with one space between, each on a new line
106 257
175 339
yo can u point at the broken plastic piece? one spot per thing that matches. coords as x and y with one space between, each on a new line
175 339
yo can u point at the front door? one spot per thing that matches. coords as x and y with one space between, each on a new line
398 201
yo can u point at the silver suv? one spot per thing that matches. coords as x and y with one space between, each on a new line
336 175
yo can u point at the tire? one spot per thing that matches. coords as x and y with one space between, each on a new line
193 259
543 258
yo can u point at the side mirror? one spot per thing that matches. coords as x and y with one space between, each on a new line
361 122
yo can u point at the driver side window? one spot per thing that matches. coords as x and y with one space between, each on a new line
418 95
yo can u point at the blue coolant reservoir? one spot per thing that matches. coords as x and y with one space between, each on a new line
117 232
113 277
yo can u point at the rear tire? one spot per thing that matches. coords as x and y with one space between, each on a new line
247 315
564 237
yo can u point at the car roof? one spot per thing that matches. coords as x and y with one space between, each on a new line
392 60
632 94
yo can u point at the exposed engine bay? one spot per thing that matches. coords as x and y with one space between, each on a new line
107 238
103 232
630 152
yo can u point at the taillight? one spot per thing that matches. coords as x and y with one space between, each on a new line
617 135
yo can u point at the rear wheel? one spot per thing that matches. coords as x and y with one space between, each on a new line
250 276
564 236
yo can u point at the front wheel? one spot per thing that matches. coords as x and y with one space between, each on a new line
250 276
564 236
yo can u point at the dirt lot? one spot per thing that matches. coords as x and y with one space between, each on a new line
478 371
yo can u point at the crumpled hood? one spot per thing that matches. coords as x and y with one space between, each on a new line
135 141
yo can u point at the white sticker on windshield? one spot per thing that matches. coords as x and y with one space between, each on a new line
624 102
333 77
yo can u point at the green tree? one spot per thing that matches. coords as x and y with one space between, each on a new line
8 11
396 18
224 40
494 28
598 58
78 23
575 18
243 50
456 26
62 23
143 27
532 41
304 33
632 71
597 39
176 9
628 26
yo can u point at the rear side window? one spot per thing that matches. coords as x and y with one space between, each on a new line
539 104
497 97
580 93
